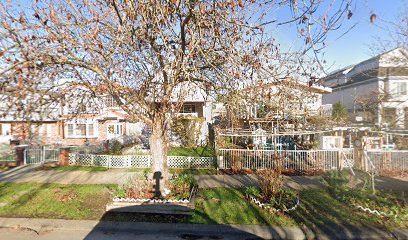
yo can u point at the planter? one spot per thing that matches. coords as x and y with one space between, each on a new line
153 206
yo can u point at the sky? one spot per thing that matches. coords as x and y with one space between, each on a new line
354 46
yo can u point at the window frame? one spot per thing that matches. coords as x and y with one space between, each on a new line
76 127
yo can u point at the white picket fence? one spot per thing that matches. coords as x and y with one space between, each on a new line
299 160
389 160
138 161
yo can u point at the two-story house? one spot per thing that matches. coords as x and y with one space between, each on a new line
80 118
374 91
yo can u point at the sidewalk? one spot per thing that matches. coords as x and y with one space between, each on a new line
23 228
29 174
119 176
238 181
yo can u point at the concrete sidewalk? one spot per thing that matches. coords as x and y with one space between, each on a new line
30 174
26 228
295 182
238 181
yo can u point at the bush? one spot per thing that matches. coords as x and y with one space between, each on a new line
253 191
115 147
270 182
181 186
284 199
339 112
188 129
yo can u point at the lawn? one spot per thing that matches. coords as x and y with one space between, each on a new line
36 200
317 210
205 151
228 206
318 207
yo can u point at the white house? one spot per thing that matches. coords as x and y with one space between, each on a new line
374 91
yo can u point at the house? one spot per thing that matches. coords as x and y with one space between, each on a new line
281 101
374 91
82 118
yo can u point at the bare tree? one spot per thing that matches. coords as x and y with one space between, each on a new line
146 53
396 33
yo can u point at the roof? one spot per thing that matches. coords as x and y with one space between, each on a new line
347 69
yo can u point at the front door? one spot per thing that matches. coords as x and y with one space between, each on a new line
115 131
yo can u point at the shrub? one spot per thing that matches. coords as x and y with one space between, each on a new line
253 191
284 199
115 147
270 182
181 186
339 112
188 129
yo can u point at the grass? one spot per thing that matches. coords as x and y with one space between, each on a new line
74 168
36 200
200 171
318 207
228 206
317 210
205 151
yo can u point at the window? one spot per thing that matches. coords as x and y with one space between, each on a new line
188 108
400 89
389 116
80 130
70 131
90 129
110 102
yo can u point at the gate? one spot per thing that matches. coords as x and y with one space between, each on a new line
41 155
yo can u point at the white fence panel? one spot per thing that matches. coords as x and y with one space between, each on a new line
389 160
137 161
300 160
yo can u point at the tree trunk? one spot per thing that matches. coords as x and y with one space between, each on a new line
158 149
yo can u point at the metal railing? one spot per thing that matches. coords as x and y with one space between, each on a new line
41 155
388 160
299 160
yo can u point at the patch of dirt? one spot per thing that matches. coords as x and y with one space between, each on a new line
97 202
65 196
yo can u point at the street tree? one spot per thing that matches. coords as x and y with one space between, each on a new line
147 53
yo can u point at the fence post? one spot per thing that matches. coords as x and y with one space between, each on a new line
63 158
341 159
21 156
92 160
189 162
